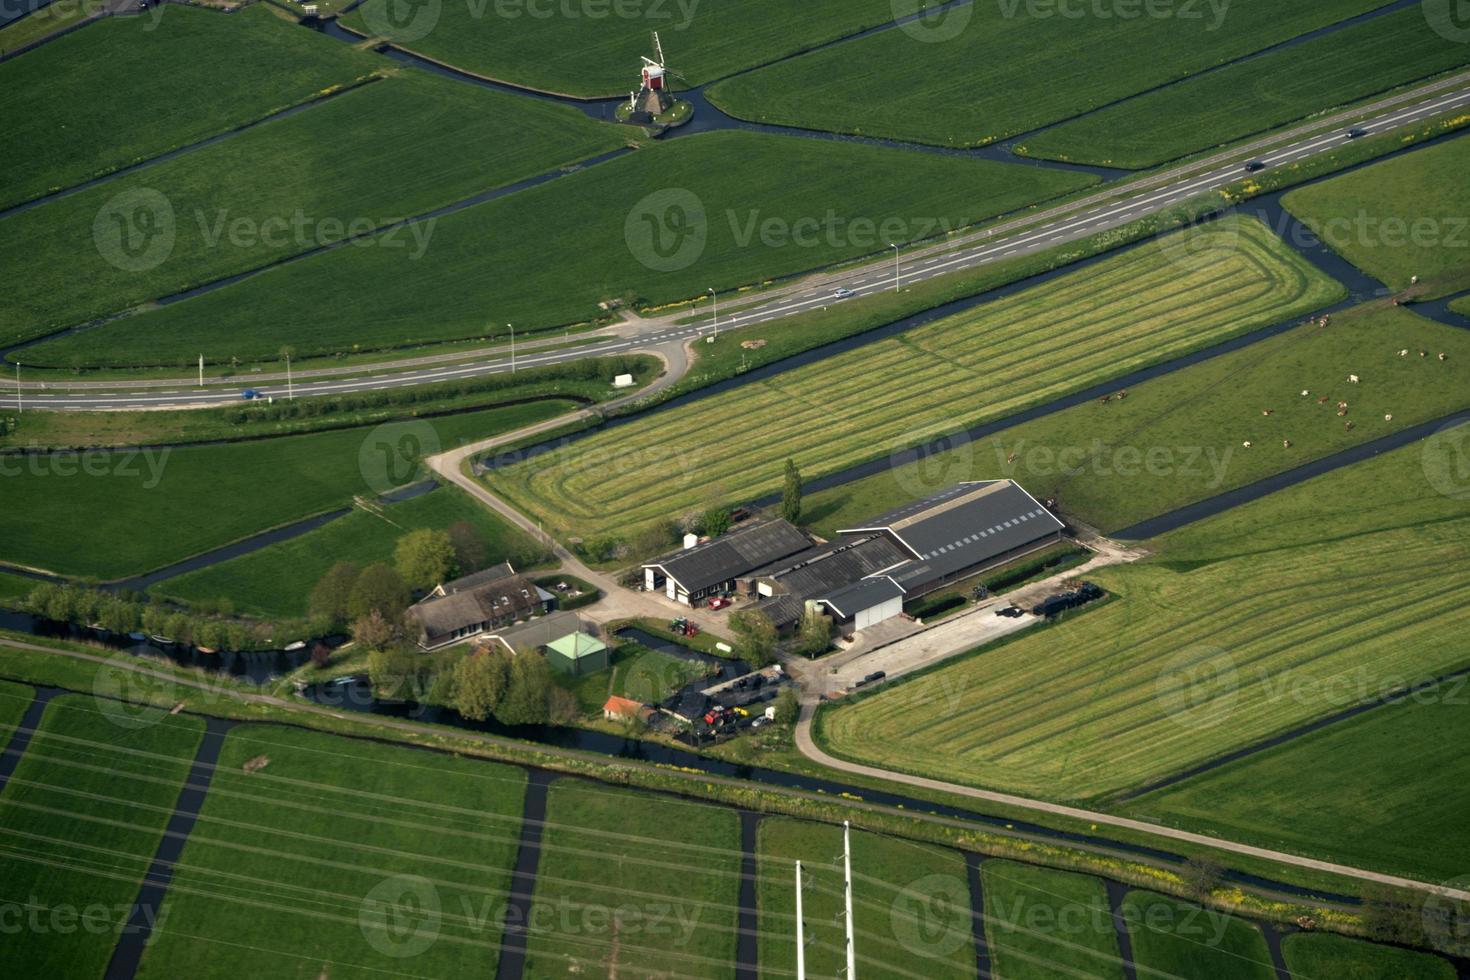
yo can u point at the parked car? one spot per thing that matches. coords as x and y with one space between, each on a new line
843 293
1254 166
1010 612
742 712
719 602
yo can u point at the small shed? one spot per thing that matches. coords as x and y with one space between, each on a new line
621 709
577 654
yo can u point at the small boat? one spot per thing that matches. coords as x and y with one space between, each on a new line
298 645
162 641
343 681
209 650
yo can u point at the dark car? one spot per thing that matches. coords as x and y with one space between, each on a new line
1356 134
1010 612
1254 166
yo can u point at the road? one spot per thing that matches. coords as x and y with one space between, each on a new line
1115 205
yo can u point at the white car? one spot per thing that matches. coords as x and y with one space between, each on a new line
843 293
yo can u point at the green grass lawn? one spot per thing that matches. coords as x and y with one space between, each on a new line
1316 956
276 581
1461 306
911 903
343 167
14 699
1186 941
99 87
582 239
1180 438
1234 634
1042 924
598 55
1139 307
39 23
342 858
1398 218
108 515
14 587
634 883
81 819
1255 95
650 676
1001 75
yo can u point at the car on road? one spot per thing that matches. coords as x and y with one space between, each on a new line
1355 133
843 293
1254 166
250 394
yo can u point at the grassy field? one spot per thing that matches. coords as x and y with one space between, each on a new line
1042 924
14 698
142 510
47 20
343 858
1179 438
82 817
911 904
1129 310
1006 74
1315 955
275 191
1184 940
1236 633
586 238
99 88
14 587
649 675
1399 218
1254 96
275 581
636 883
599 55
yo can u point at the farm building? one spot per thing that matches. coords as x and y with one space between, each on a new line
708 568
577 654
469 606
623 709
540 633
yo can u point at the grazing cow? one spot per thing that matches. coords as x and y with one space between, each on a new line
1341 412
1388 417
1246 444
1443 355
1404 352
1342 406
1305 392
1268 411
1349 423
1105 399
1322 400
1353 378
1011 457
1285 443
1423 353
1124 393
1413 280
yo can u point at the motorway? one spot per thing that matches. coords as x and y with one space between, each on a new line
1110 207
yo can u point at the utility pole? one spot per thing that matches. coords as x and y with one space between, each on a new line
800 930
18 406
895 266
715 300
851 973
201 370
290 394
512 348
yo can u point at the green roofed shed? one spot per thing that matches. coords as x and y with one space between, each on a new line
577 654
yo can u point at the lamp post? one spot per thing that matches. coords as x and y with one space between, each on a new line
18 406
895 265
290 392
512 348
716 301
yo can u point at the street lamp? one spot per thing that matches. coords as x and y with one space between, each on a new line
512 348
290 392
18 406
895 266
715 300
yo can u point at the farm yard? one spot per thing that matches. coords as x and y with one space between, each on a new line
591 55
223 72
1141 307
1399 218
985 76
1041 923
279 190
1254 95
1234 635
1180 438
81 818
149 509
824 201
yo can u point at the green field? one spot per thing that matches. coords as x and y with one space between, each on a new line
1186 941
1006 74
1042 924
88 103
1313 956
14 699
582 239
1235 634
82 817
911 904
342 858
633 883
14 588
598 54
1256 95
1136 308
1180 438
276 581
138 511
49 19
1398 218
343 167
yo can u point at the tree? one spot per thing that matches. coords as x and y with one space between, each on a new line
469 547
378 589
1392 917
756 636
791 493
716 520
330 596
425 558
393 671
1202 876
527 699
815 634
480 682
788 706
374 632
